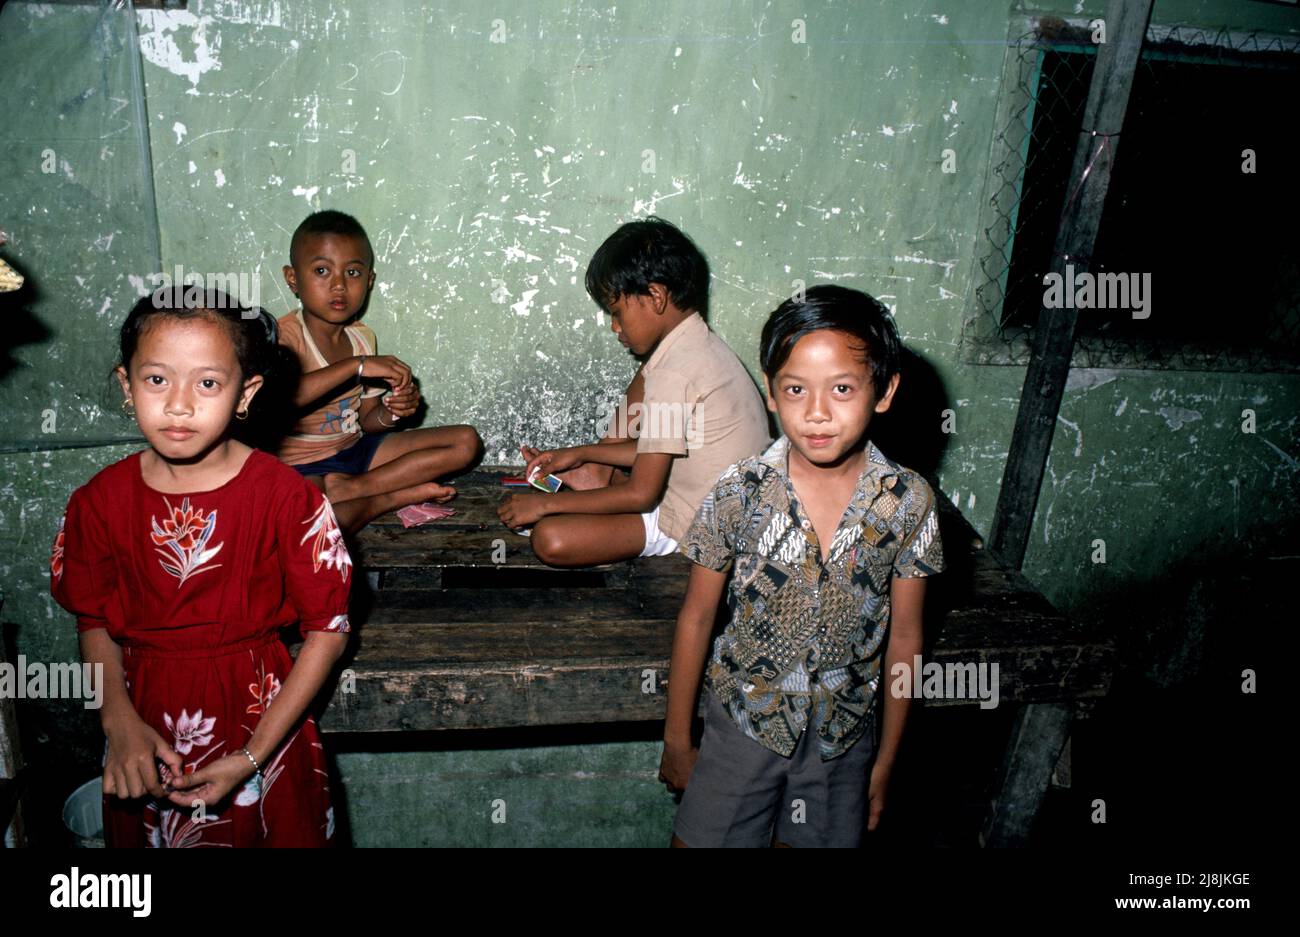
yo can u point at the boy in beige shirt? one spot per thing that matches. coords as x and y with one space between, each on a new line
689 413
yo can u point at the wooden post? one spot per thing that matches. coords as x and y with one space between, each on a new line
1037 739
11 763
1041 729
1049 364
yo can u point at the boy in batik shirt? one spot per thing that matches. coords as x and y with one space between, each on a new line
828 543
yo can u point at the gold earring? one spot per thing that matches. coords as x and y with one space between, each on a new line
244 417
126 403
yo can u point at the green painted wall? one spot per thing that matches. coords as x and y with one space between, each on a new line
488 172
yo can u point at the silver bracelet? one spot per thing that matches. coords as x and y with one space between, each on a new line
361 367
380 417
257 769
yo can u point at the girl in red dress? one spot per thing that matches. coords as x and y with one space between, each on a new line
182 563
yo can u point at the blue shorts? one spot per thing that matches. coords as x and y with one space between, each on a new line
353 460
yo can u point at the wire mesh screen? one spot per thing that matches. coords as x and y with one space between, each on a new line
1198 215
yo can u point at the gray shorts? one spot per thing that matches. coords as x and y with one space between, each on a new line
741 793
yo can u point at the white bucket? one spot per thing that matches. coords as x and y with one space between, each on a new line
83 814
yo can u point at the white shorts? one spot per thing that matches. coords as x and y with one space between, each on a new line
657 543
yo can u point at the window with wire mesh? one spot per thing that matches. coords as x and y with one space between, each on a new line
1217 242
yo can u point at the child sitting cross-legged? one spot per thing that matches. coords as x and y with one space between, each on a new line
347 441
690 411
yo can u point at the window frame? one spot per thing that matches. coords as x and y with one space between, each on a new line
984 339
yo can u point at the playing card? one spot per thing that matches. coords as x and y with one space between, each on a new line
416 514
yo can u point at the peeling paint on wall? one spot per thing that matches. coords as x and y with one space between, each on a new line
164 32
1178 417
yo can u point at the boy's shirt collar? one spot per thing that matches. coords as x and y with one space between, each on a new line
693 326
878 472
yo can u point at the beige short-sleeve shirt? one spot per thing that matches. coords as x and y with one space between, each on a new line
701 406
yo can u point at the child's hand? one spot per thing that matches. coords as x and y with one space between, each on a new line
523 508
876 794
130 769
676 765
402 404
550 461
212 782
385 367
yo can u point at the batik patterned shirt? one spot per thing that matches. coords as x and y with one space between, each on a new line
805 639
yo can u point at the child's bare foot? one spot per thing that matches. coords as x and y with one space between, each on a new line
356 513
339 486
395 500
440 494
417 494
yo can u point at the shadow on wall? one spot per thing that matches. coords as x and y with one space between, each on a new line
1215 614
911 431
22 327
1183 751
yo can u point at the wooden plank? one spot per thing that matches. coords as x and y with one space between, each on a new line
502 644
449 606
499 577
533 695
1034 675
473 693
1049 364
473 537
448 545
478 495
1037 738
552 671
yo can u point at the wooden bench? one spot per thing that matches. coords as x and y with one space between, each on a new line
461 627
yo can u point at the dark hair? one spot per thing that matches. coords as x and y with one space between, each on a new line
328 222
252 330
841 310
649 251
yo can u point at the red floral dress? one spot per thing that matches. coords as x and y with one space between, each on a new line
195 588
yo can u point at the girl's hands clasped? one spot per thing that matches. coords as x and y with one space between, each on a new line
212 782
130 769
